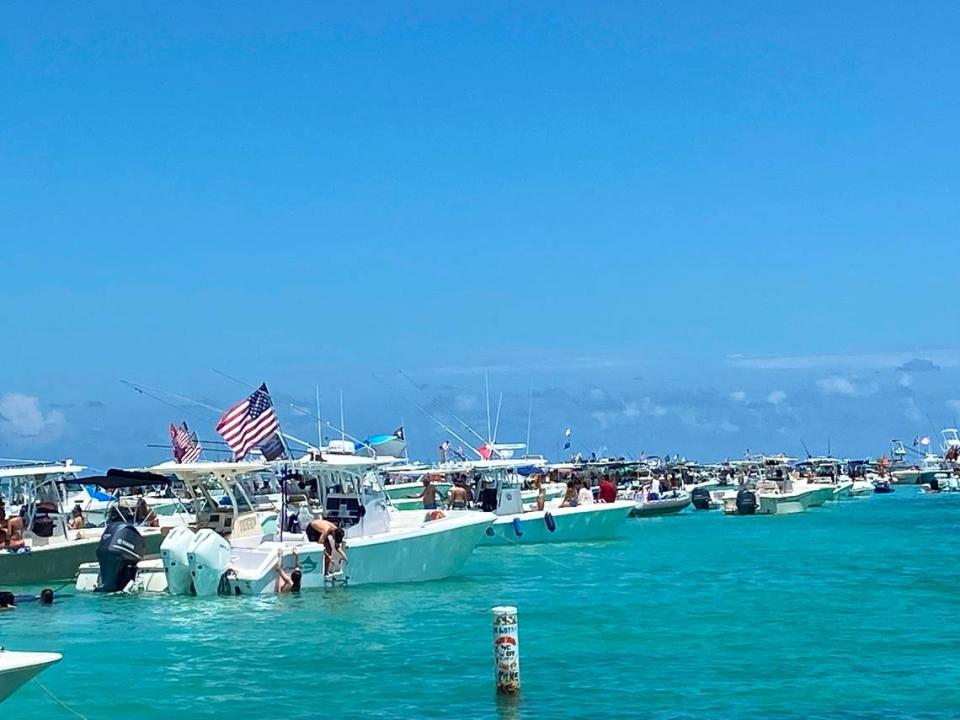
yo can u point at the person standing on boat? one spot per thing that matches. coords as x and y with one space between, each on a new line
428 495
457 499
608 491
444 447
654 493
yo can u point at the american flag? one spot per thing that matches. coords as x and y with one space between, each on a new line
186 447
249 423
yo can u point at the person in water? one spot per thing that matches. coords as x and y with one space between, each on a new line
457 499
570 496
428 495
288 583
7 601
46 597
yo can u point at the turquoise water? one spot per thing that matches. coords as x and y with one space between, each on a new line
845 611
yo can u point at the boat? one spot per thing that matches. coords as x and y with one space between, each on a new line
17 668
670 502
499 489
883 487
51 549
384 545
772 498
220 493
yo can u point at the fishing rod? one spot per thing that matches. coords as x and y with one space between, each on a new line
460 420
423 410
333 427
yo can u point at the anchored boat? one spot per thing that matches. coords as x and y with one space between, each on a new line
18 668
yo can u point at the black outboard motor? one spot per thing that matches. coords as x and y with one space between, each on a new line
746 502
701 498
119 551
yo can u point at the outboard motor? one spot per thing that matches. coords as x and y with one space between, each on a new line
701 498
119 551
746 502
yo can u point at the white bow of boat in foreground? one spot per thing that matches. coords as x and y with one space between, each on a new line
18 668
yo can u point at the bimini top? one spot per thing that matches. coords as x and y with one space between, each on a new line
116 479
171 467
40 469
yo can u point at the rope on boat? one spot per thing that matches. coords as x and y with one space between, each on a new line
58 701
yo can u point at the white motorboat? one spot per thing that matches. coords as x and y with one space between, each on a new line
224 508
383 544
18 668
668 503
772 498
51 549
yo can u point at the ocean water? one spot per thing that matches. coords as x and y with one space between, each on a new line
845 611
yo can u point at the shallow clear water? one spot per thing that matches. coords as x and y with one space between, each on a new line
844 611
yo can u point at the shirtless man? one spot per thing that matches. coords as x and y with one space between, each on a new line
458 497
429 495
331 537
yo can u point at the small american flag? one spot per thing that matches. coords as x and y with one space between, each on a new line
249 423
186 447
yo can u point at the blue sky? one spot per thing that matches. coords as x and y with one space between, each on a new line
694 227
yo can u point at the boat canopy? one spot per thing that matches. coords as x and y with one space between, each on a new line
116 479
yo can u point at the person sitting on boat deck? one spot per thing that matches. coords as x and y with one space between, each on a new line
144 515
288 583
428 495
76 518
457 498
10 541
570 496
585 494
608 491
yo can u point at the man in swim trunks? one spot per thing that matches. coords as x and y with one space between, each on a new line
458 496
429 495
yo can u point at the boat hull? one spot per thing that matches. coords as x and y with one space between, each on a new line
18 668
436 551
578 524
666 506
789 504
59 561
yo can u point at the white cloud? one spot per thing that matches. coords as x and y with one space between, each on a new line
836 386
905 380
776 397
954 405
911 411
596 394
878 360
729 427
738 396
465 401
850 387
22 419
